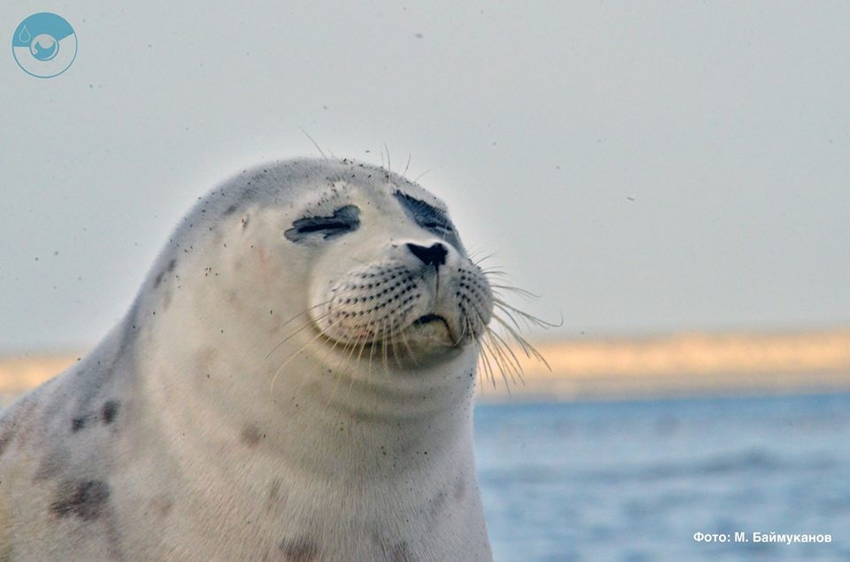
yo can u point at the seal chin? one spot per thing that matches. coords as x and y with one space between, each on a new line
429 338
438 325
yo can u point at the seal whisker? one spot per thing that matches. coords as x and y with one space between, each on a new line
485 361
319 148
488 368
464 324
361 344
393 345
371 350
517 290
291 357
384 349
530 318
485 258
488 350
407 166
530 350
420 176
407 346
507 358
321 317
495 272
349 347
338 372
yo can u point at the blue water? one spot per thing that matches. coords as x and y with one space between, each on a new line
633 481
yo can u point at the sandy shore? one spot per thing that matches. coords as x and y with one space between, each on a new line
690 364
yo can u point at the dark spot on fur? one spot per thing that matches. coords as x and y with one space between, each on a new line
162 505
12 417
299 550
251 435
80 422
437 505
460 488
171 265
274 494
6 436
393 552
109 411
87 500
230 210
401 553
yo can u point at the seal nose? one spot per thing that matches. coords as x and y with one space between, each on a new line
435 255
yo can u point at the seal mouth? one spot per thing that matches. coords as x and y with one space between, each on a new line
429 318
437 324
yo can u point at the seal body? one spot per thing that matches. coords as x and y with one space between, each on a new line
293 382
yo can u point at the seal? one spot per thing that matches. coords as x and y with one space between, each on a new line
293 381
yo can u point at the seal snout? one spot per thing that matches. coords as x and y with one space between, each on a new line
434 255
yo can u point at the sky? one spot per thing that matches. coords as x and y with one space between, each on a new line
642 167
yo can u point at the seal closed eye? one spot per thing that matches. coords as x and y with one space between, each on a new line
343 220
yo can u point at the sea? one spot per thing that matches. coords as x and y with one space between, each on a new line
720 479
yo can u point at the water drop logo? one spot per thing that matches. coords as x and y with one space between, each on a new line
44 45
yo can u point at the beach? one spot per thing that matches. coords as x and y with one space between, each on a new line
689 364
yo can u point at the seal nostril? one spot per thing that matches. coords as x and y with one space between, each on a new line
435 255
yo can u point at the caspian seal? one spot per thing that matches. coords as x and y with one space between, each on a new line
293 381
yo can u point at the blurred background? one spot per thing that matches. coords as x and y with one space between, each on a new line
670 178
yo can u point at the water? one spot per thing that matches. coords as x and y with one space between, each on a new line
633 481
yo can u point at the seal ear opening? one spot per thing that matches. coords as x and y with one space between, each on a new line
342 221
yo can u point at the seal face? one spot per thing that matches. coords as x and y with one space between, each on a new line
420 293
293 382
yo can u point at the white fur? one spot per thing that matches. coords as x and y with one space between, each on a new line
356 453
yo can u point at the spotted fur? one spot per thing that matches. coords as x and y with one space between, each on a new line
292 382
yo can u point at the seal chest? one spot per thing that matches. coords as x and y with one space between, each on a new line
293 382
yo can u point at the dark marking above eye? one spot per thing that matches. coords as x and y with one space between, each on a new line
428 217
343 220
424 213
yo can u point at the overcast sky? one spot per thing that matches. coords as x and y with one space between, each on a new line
644 167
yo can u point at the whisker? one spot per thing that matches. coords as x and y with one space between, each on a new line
539 322
507 354
406 166
292 320
422 174
517 290
485 258
319 148
291 357
488 349
529 349
407 346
